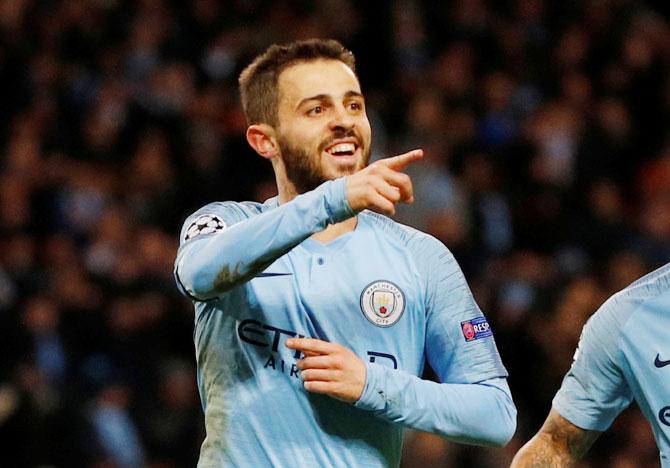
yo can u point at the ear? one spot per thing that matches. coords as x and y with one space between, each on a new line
261 138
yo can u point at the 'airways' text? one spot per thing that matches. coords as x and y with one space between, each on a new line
263 335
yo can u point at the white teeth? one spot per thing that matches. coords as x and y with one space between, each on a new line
343 148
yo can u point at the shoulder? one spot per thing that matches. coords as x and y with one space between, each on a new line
219 215
650 289
233 209
634 299
419 244
432 260
612 321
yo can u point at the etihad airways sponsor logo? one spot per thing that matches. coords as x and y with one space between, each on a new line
271 338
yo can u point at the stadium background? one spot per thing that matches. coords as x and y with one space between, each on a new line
547 174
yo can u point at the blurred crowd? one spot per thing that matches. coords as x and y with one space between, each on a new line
545 125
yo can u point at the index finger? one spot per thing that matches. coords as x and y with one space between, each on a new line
398 163
311 345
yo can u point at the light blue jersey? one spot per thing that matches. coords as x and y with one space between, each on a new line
393 295
624 354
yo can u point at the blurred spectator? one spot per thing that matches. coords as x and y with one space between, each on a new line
172 425
116 437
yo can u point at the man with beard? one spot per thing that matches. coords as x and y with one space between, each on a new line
315 313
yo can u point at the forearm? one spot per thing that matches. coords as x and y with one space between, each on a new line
210 266
480 414
559 443
542 452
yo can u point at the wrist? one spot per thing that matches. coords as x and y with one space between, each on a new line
373 396
337 204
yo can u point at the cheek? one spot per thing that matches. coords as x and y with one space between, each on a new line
368 129
308 137
365 129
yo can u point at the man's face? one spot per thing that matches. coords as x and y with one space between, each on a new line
323 131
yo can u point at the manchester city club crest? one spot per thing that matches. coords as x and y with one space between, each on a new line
382 303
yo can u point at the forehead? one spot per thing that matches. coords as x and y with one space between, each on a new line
318 77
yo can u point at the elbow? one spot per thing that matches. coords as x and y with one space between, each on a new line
198 287
204 281
510 423
197 282
493 425
501 433
505 432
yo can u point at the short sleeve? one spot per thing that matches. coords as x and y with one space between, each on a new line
594 391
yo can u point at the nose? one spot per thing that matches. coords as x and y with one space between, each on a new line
342 119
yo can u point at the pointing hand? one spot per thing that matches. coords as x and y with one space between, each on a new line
381 185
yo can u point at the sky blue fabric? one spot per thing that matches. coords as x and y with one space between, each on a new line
624 354
392 294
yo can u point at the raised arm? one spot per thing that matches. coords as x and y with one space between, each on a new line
559 443
213 260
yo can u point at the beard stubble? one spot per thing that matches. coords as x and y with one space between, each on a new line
306 171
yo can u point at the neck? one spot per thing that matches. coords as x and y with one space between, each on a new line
287 192
285 188
333 231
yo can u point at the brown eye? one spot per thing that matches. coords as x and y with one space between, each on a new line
315 110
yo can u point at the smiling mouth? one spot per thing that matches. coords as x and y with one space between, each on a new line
342 149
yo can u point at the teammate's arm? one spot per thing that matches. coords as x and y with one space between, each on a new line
592 394
207 266
559 443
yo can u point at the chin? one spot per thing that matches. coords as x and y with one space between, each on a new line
346 169
341 172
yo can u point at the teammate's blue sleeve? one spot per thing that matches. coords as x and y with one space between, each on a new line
594 390
213 260
472 404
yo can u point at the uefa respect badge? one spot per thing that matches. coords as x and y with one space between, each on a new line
476 328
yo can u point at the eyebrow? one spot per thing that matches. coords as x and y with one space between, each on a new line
323 97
